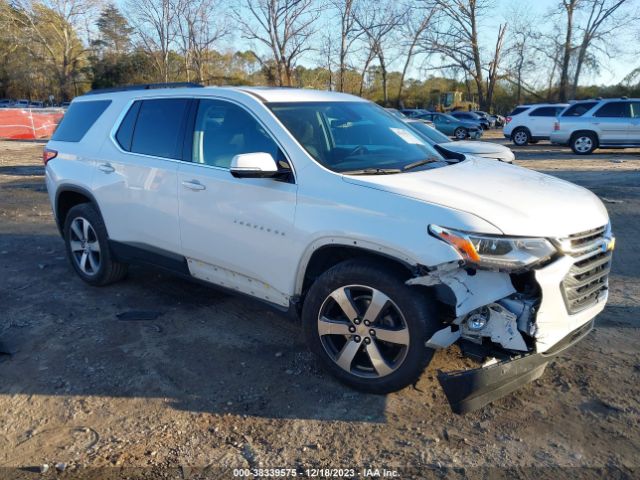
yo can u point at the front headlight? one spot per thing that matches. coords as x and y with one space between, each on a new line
495 252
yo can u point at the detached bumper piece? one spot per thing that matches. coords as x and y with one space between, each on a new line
468 390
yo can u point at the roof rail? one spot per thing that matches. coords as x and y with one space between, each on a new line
145 86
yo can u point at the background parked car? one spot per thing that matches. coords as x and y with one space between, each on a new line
479 149
22 103
587 125
396 112
471 117
499 120
485 116
36 104
453 126
531 123
413 112
6 103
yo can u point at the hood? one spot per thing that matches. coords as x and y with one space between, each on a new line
516 200
475 148
481 149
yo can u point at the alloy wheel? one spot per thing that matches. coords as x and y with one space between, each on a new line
363 331
520 138
583 144
84 246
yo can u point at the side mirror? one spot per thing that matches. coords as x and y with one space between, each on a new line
254 165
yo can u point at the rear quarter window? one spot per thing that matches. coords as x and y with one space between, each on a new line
518 110
544 112
79 118
578 109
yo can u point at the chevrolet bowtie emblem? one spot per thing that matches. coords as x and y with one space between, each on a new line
609 244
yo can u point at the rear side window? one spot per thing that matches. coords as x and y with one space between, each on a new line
124 136
635 109
518 110
79 118
544 112
158 129
578 109
613 109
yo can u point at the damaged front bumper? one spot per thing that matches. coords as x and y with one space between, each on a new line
468 390
519 329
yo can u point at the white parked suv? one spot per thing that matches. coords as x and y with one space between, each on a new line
531 123
327 206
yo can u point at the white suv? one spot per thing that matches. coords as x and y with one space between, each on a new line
326 205
531 123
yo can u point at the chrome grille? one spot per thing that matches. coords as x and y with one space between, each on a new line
588 277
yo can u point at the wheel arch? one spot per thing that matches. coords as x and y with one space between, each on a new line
67 197
521 127
321 257
583 131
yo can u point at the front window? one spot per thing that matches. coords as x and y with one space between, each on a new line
355 137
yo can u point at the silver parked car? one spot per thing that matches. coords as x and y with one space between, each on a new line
478 149
590 124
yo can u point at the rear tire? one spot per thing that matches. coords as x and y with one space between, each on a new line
87 246
521 137
382 349
584 143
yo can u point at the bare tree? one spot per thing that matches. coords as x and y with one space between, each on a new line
418 18
51 28
284 26
601 23
378 25
569 8
156 25
349 33
201 24
457 39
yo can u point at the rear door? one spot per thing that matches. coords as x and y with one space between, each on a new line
235 232
541 121
136 179
613 120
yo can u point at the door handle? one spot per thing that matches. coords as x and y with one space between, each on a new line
106 168
193 185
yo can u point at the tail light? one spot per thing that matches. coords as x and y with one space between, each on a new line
48 154
556 126
507 120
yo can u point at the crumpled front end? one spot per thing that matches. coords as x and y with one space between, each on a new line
514 323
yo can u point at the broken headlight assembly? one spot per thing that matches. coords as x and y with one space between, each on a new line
495 252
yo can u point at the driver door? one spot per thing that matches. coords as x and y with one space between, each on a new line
235 232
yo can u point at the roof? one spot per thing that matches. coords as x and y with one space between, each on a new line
288 94
264 94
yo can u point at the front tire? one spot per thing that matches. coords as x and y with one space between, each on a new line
584 143
460 133
367 327
87 246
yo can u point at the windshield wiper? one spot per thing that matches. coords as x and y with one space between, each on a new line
419 163
372 171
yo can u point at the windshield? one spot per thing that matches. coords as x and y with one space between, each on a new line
429 132
350 137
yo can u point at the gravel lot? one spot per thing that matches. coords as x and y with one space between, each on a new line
218 382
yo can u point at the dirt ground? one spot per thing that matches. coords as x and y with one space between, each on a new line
218 382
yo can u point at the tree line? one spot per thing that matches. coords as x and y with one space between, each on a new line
404 52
